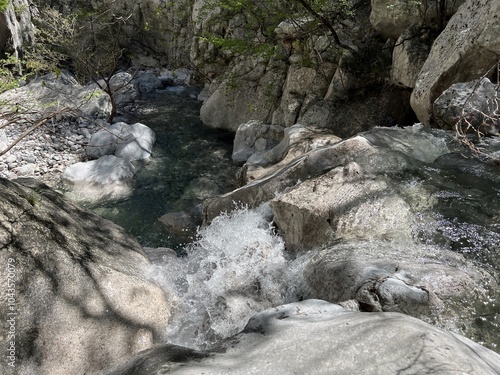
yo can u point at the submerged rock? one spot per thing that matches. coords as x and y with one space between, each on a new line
82 297
317 337
430 283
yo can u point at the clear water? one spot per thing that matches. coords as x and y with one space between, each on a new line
190 162
238 265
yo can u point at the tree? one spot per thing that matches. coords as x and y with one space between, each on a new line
90 43
261 18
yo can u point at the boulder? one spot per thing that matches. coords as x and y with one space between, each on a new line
129 142
391 17
108 177
148 82
477 102
379 151
255 136
408 57
343 204
251 90
123 88
53 92
430 283
466 49
81 294
316 337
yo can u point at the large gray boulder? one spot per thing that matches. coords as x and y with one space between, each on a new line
106 178
316 337
255 136
475 103
53 92
382 150
128 142
81 293
467 49
251 90
433 284
343 204
408 57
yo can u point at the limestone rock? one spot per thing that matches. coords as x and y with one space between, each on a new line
477 101
83 300
467 48
433 284
255 136
408 57
317 337
129 142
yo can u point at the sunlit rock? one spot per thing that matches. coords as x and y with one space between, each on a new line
317 337
408 56
108 177
82 298
343 204
129 142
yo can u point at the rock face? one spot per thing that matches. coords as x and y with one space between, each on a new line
408 57
81 295
467 48
256 95
338 341
436 285
476 101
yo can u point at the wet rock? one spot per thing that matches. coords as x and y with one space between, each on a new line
344 342
343 204
148 82
80 285
108 177
430 283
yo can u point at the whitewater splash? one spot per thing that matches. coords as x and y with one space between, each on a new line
235 269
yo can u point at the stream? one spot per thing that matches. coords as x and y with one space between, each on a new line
238 266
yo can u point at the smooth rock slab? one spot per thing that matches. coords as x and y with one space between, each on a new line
316 337
433 284
82 296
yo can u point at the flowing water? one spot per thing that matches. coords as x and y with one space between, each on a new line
238 265
190 162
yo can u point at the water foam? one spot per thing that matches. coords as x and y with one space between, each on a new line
236 268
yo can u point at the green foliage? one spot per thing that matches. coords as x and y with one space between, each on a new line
3 5
8 80
247 27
